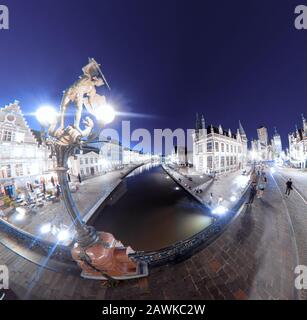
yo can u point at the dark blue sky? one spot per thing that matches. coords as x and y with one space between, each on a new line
229 60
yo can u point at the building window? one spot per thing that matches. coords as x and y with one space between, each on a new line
87 170
96 160
8 170
239 149
222 147
209 162
92 161
231 161
235 149
81 161
209 146
18 170
82 172
86 160
200 148
216 146
227 147
222 161
7 135
227 161
231 148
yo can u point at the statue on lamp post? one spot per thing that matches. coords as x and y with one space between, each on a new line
99 254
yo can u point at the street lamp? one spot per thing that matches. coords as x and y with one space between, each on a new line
46 115
99 254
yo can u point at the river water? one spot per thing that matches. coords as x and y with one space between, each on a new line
149 211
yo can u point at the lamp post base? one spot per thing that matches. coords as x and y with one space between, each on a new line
108 259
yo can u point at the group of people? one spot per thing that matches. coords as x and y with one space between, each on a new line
259 183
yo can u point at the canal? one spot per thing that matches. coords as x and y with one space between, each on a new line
148 211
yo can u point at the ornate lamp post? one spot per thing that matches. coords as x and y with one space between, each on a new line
99 254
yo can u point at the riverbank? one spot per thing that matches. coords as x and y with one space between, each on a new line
225 190
90 195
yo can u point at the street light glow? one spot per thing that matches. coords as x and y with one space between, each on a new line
106 113
46 115
45 228
220 210
63 235
233 198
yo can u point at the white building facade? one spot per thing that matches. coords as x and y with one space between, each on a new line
218 151
86 164
22 160
298 146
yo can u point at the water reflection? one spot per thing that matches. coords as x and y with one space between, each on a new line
148 211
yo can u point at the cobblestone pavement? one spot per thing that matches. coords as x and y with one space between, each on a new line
299 178
253 259
90 193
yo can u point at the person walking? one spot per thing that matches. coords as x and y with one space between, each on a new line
288 187
252 194
260 187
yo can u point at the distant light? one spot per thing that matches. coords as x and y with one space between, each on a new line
45 228
106 113
233 198
201 177
167 177
220 210
63 235
273 170
177 188
46 115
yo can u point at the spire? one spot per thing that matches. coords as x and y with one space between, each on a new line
241 130
197 124
220 129
203 124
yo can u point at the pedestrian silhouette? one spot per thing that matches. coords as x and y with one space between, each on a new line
288 186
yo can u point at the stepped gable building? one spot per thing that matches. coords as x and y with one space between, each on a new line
22 160
216 150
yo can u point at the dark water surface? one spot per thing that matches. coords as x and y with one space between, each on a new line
149 212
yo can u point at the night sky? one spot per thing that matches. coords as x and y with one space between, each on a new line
167 59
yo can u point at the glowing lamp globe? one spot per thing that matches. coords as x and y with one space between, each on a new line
46 115
105 114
